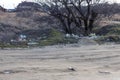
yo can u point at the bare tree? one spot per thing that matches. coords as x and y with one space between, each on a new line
81 13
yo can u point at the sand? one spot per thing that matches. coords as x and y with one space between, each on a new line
93 62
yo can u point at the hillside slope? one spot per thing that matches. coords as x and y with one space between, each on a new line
13 23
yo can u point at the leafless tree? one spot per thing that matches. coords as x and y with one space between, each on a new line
81 13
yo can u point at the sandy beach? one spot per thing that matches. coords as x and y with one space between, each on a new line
95 62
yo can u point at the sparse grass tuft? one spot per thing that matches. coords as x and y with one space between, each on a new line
8 45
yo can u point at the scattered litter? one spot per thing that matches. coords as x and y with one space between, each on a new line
71 69
10 72
104 72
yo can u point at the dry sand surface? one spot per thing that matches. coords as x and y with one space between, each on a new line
98 62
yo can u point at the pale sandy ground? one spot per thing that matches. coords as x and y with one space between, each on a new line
99 62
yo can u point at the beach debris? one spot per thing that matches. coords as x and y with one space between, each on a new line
104 72
71 69
7 72
10 71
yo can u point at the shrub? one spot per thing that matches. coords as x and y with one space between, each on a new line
109 30
110 38
57 37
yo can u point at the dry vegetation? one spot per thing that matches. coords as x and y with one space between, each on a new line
18 22
21 20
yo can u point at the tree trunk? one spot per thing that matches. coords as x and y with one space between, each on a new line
91 25
86 30
65 28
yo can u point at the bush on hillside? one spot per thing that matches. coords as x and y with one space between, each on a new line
110 38
109 30
57 37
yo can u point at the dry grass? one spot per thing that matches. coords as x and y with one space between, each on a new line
22 22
